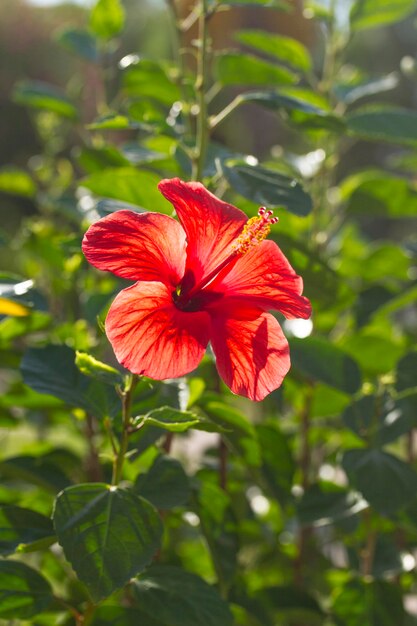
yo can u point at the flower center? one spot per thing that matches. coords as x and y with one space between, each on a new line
255 230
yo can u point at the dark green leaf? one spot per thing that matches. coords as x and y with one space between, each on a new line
17 182
387 483
43 470
375 13
323 504
235 68
320 360
278 464
38 95
129 185
368 603
166 484
79 42
290 601
282 48
380 124
52 370
108 534
23 592
107 18
267 187
407 372
175 597
20 527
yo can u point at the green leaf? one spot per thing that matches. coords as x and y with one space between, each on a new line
108 615
284 49
23 592
175 597
375 13
21 527
320 360
43 470
115 121
278 466
273 4
368 603
374 192
108 534
387 483
170 419
384 124
89 366
268 187
107 18
323 504
235 68
166 484
407 372
17 183
52 370
293 603
129 185
39 95
354 91
375 354
149 79
78 41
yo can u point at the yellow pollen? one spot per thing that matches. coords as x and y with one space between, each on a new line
255 230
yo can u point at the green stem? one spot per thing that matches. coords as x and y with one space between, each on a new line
126 406
201 88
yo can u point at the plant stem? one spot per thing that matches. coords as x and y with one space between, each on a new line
126 406
201 88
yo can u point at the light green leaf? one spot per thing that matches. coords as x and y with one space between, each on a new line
39 95
107 18
170 419
17 182
108 534
284 49
375 13
23 592
234 68
149 79
129 185
90 366
175 597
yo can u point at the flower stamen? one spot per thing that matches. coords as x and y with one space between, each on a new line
255 230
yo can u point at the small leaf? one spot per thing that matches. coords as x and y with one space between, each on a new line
21 527
78 41
268 187
89 366
149 79
321 360
235 68
113 121
284 49
23 592
17 183
384 124
129 185
375 13
166 484
175 597
387 483
52 370
107 18
108 534
39 95
170 419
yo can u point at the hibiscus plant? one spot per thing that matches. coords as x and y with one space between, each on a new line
208 320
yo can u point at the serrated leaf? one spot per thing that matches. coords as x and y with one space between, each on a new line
52 370
20 526
386 482
375 13
235 68
24 593
175 597
39 95
129 185
384 124
320 360
107 18
284 49
268 187
108 534
165 484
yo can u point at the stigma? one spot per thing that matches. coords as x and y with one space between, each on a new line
255 230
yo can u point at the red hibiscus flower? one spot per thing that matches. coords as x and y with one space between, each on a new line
210 276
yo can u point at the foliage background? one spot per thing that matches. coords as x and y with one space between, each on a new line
299 510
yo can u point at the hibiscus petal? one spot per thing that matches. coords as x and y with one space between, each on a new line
150 336
264 278
137 246
252 354
211 225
